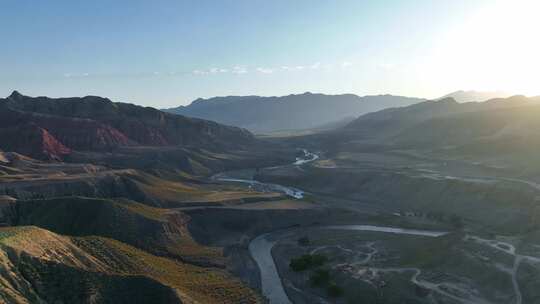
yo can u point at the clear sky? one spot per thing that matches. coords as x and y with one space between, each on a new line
166 53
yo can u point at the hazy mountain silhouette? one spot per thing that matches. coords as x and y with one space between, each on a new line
479 96
292 112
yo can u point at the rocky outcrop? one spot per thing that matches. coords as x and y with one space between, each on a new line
34 141
52 137
142 125
52 128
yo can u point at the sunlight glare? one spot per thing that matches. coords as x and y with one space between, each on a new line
498 48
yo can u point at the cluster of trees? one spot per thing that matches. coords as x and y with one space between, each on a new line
320 277
307 261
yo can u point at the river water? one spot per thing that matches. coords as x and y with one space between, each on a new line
260 247
269 187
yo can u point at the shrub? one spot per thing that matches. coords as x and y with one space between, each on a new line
319 277
307 261
334 290
300 264
318 260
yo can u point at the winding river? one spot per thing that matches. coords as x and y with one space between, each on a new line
260 247
269 187
263 187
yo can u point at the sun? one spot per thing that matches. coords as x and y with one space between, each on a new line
496 48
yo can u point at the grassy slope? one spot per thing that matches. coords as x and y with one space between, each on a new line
36 260
176 193
159 231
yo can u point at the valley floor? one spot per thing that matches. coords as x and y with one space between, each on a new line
231 235
383 267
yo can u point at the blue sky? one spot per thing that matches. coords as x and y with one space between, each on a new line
166 53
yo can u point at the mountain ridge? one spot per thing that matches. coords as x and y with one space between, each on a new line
476 96
291 112
93 123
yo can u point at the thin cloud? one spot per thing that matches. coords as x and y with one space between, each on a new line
346 64
239 70
265 70
293 68
210 71
199 72
217 70
315 66
76 75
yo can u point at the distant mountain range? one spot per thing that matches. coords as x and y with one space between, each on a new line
292 112
478 96
51 128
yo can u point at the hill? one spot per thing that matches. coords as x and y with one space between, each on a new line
390 122
292 112
511 134
56 126
502 132
39 266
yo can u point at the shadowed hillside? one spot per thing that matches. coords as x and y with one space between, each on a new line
392 121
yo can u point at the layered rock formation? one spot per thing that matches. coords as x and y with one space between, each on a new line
52 128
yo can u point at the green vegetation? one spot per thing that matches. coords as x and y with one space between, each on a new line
130 222
307 261
334 290
143 210
68 268
319 277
